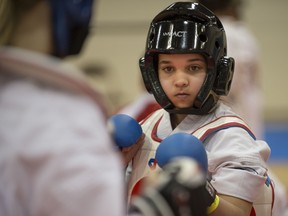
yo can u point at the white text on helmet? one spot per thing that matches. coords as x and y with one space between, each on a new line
176 34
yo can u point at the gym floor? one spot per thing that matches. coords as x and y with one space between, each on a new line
276 135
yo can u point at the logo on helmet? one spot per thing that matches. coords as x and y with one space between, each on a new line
176 34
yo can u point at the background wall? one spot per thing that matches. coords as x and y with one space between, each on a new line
268 20
118 39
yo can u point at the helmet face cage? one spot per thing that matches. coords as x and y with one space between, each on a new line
186 27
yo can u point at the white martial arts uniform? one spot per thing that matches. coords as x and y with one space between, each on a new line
237 162
56 156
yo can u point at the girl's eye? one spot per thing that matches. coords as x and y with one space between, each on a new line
193 68
168 69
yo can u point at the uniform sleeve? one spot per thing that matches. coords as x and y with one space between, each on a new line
237 163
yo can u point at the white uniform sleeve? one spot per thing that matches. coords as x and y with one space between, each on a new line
237 163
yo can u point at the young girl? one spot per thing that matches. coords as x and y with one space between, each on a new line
186 68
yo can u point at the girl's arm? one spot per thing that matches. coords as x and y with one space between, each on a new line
233 206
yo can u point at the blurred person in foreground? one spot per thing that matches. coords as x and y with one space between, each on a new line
54 141
53 124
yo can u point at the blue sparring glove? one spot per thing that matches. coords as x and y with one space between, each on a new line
181 144
125 130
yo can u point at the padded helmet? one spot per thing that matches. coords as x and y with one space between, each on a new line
187 27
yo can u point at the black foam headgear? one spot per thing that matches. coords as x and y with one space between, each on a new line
187 27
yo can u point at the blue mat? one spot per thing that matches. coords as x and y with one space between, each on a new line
276 135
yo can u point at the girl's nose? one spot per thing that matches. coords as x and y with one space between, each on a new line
181 81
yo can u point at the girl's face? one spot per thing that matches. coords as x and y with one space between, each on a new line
181 77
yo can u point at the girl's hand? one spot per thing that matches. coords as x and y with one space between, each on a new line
129 152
